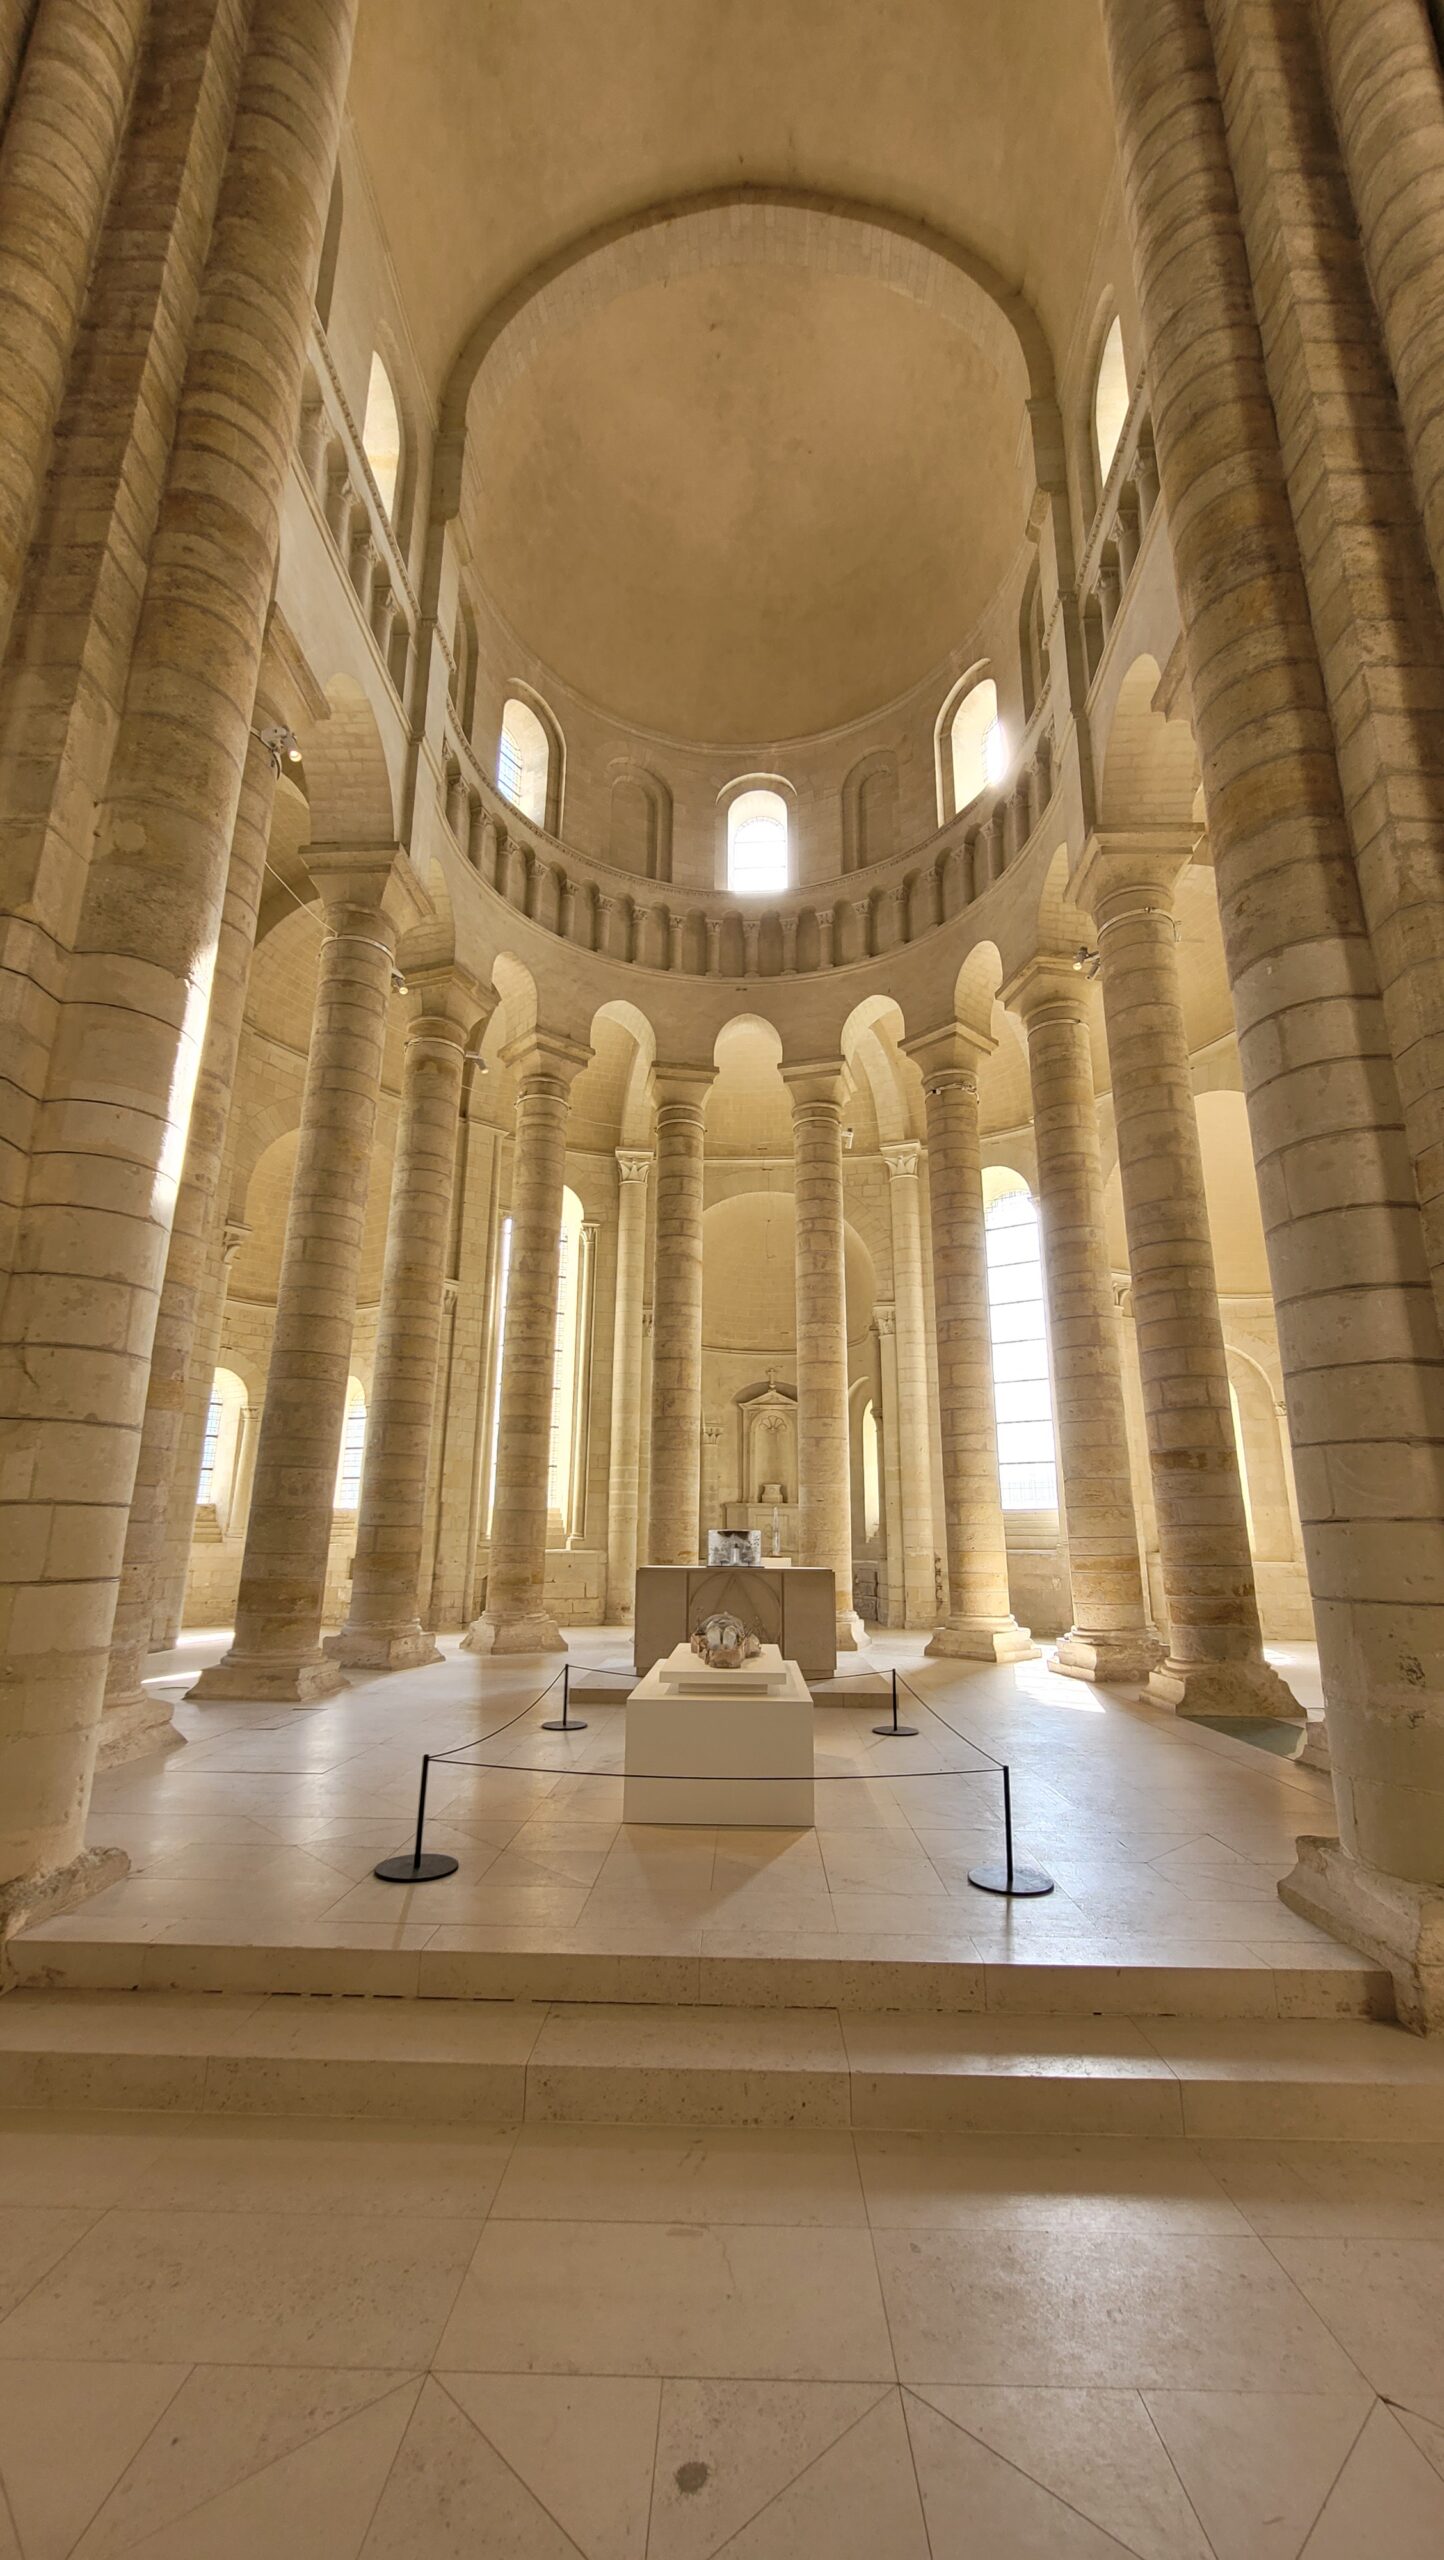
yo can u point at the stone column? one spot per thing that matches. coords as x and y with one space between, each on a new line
134 1719
1382 58
824 1454
515 1619
980 1625
383 1623
1214 1665
61 142
464 1448
127 1045
914 1426
276 1649
884 1319
1358 1331
623 1484
1110 1638
677 1317
711 1475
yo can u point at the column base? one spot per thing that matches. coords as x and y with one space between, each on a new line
1106 1658
27 1900
270 1679
851 1633
1234 1689
131 1726
1399 1924
383 1648
536 1634
983 1640
1316 1753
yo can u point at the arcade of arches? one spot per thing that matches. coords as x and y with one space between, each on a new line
723 806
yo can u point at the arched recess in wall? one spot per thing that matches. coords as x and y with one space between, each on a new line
530 759
639 824
970 742
869 811
463 668
330 252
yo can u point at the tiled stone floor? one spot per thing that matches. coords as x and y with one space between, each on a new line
338 2342
1164 1838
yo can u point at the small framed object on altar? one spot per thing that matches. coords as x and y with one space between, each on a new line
734 1546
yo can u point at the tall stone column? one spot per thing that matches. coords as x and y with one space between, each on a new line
135 1720
1358 1331
980 1625
914 1423
624 1477
1214 1665
515 1619
383 1624
1110 1638
673 1525
711 1475
111 1130
581 1447
884 1319
168 1605
276 1649
61 141
824 1455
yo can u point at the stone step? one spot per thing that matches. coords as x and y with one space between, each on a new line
452 2062
914 1976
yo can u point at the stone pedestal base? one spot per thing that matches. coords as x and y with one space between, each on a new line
1224 1689
1316 1753
984 1640
538 1634
30 1899
132 1726
269 1679
1399 1924
381 1648
851 1633
1106 1658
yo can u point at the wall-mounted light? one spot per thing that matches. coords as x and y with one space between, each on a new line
281 744
398 983
1086 962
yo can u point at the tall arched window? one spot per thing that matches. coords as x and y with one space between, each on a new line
978 742
523 762
353 1448
381 434
758 864
871 1472
221 1446
1022 1393
1110 401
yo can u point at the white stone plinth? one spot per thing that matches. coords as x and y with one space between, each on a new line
720 1750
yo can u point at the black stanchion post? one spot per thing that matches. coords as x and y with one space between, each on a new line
566 1722
1018 1883
895 1732
418 1868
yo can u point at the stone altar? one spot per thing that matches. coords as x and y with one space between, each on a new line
711 1746
794 1608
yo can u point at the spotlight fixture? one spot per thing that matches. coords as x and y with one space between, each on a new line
1085 961
398 983
281 744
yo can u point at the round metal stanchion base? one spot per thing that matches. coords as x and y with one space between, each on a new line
554 1724
1026 1881
410 1870
897 1732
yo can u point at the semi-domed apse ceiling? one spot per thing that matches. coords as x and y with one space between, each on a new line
748 501
747 504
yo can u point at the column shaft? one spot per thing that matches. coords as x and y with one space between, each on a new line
94 1234
61 140
623 1484
980 1625
464 1444
516 1619
276 1650
914 1421
1110 1638
383 1623
677 1321
824 1463
1358 1331
133 1719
